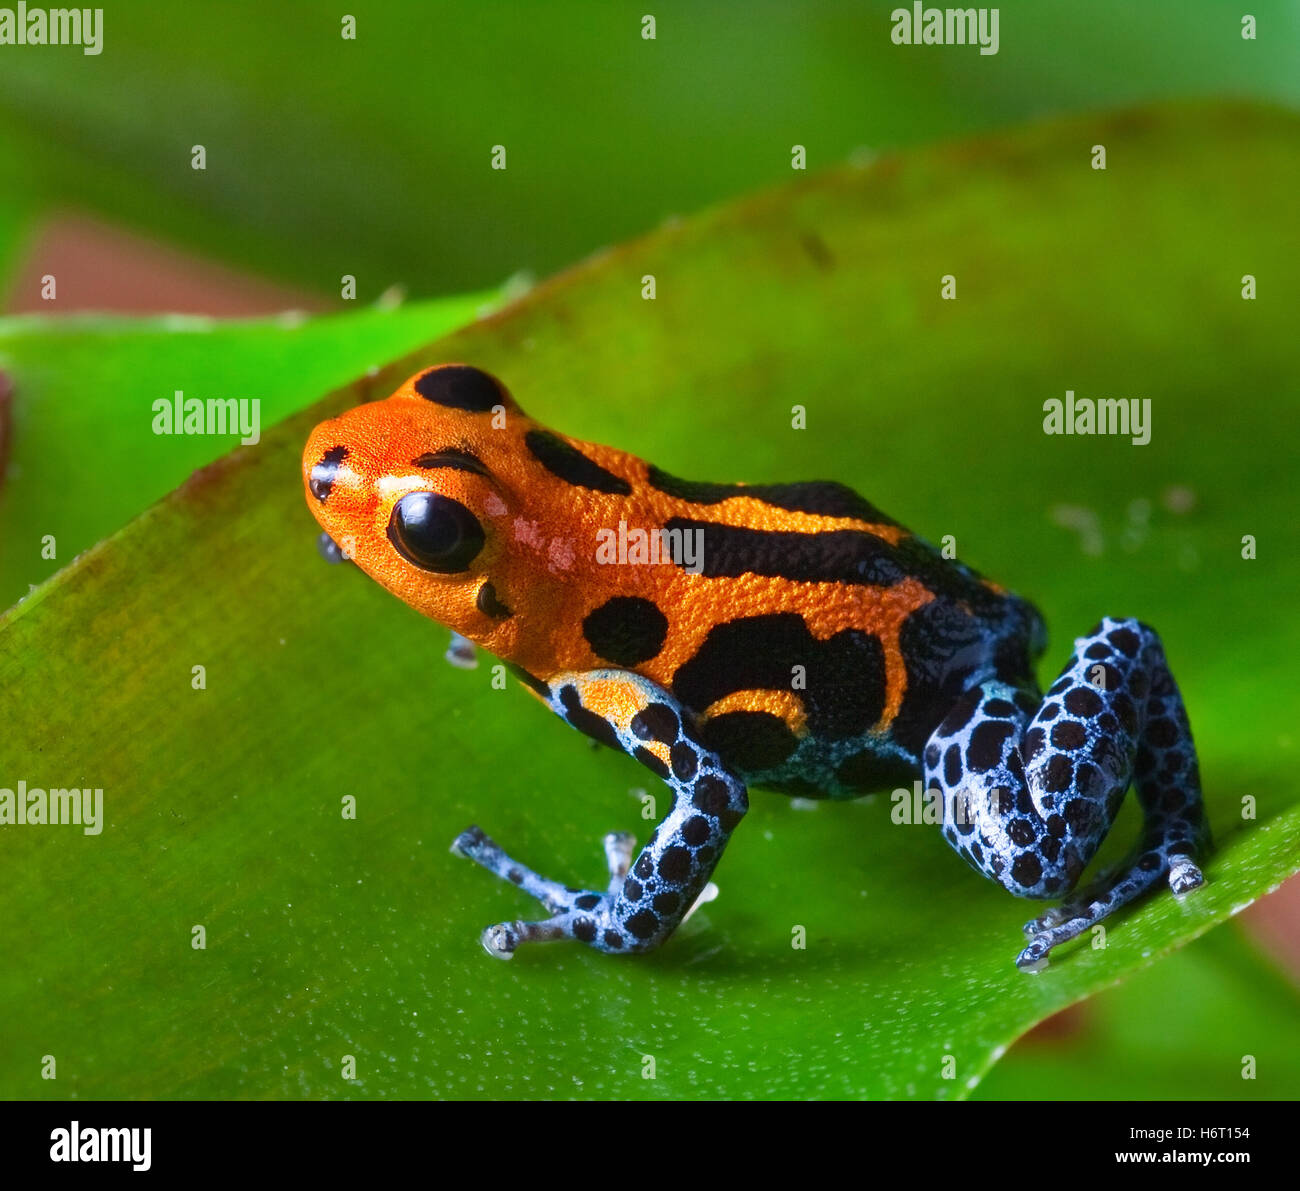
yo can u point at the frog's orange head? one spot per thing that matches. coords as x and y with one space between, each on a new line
400 485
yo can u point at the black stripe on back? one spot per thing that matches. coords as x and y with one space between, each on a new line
571 465
825 498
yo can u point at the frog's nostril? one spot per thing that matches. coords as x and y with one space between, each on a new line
324 473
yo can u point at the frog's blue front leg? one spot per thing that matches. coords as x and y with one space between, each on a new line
643 906
1030 789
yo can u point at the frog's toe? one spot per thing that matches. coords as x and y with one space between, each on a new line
1033 958
499 941
620 846
1184 876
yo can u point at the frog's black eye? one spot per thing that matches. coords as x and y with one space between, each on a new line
435 532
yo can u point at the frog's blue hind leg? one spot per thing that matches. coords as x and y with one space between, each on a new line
1030 790
645 901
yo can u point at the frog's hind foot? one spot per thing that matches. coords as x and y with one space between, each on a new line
1032 785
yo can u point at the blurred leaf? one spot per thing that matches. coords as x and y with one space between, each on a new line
1176 1031
83 412
329 937
328 156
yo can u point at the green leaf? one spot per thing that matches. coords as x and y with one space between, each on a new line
92 381
1185 1027
373 156
329 937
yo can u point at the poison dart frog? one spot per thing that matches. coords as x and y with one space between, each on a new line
814 646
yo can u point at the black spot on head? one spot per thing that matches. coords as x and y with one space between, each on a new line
459 386
490 604
632 889
626 630
324 473
453 457
564 460
644 867
1083 701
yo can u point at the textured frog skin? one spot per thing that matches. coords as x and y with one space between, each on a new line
817 647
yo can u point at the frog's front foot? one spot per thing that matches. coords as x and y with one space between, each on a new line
579 914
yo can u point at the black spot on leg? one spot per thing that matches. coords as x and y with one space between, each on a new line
1125 640
696 831
642 924
685 762
1084 702
1068 736
613 940
588 901
655 721
986 745
1021 832
675 865
711 795
584 930
586 721
1027 869
651 762
626 630
667 903
1060 772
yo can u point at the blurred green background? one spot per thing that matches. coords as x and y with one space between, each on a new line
371 158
